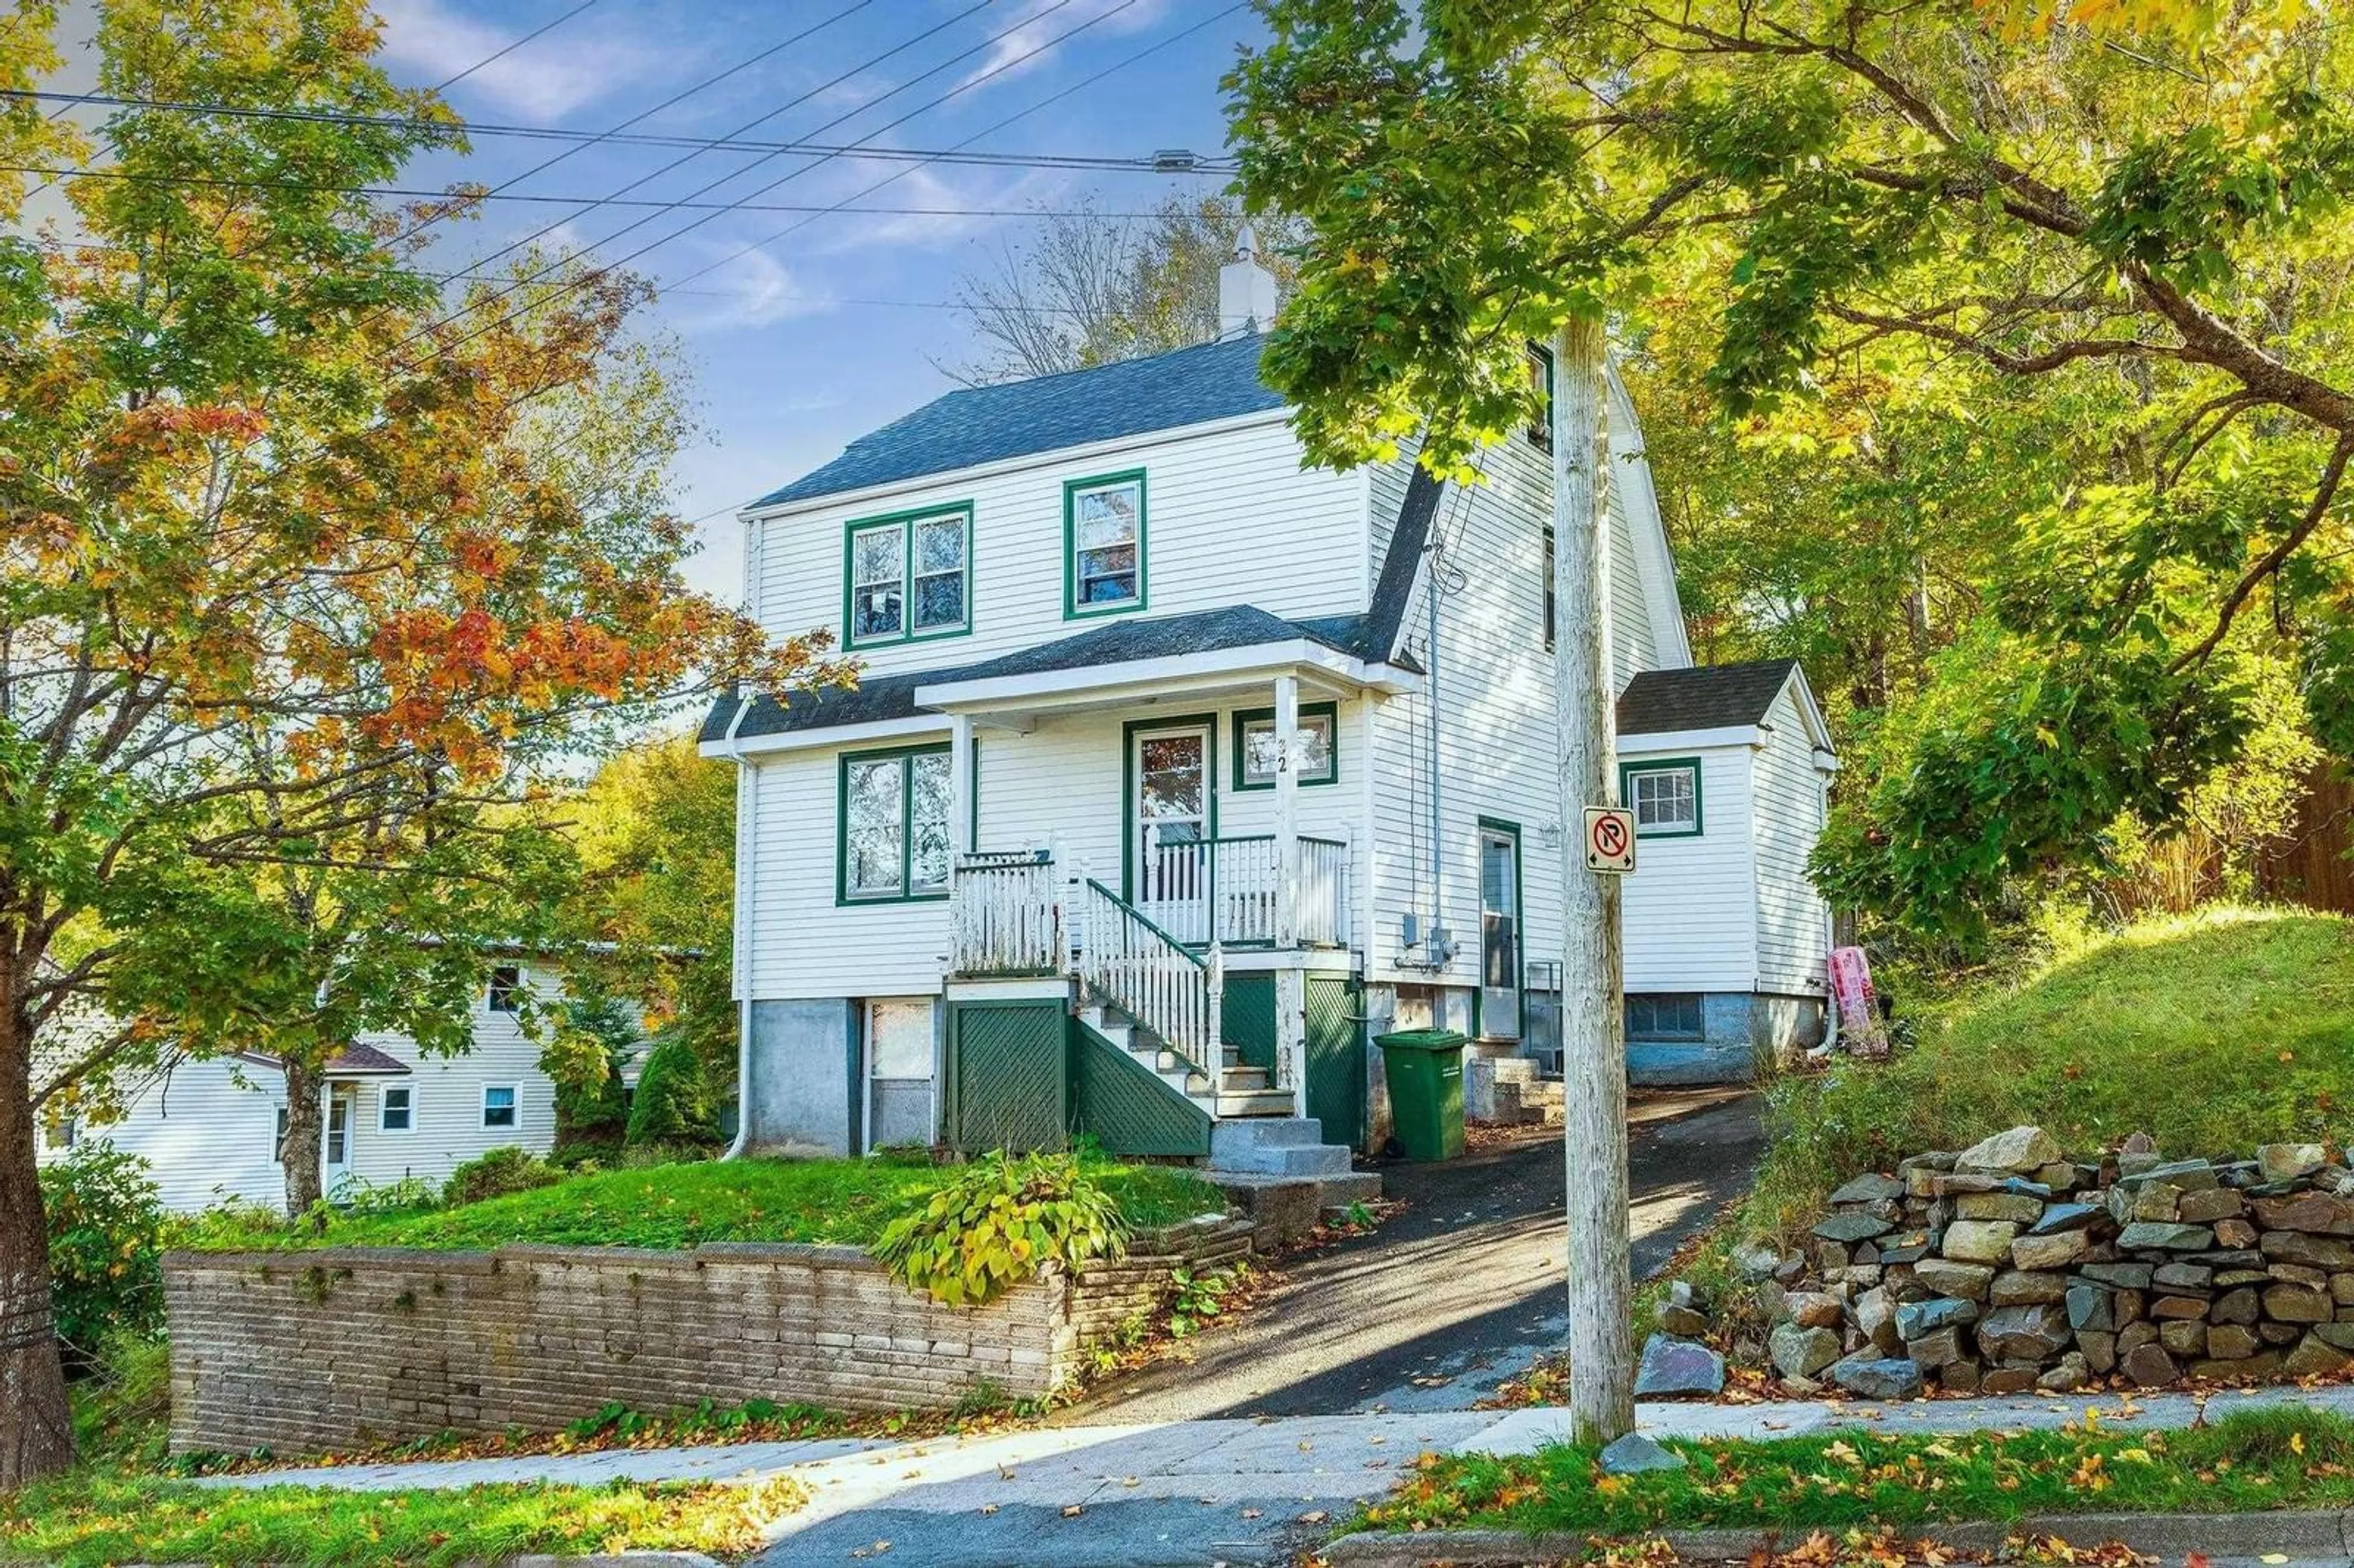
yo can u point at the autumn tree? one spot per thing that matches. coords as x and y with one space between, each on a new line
1088 288
2111 242
299 597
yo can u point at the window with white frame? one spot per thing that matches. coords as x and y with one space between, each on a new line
1103 529
1540 374
1664 796
1318 760
893 826
500 1111
908 577
60 1131
395 1112
506 988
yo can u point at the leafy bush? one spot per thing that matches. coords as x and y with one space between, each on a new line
584 1057
106 1246
674 1098
357 1196
496 1174
999 1222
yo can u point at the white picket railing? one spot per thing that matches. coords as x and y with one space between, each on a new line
1005 914
1230 890
1150 975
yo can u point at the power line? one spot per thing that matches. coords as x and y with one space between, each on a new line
491 59
1167 162
1078 86
604 268
460 193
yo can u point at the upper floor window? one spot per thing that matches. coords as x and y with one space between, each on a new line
907 577
1539 373
893 826
506 988
1545 572
1664 796
1103 545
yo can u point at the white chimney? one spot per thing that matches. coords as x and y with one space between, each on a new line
1246 290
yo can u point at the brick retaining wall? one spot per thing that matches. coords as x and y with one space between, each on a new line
315 1350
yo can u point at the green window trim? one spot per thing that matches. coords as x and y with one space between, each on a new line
1630 771
1505 826
1329 711
1072 490
1540 430
904 756
905 522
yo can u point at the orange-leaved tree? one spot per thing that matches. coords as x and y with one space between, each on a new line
307 580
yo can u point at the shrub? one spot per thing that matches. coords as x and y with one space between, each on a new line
497 1173
674 1098
584 1058
999 1222
356 1196
106 1246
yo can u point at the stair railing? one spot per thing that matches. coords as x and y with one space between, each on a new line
1177 994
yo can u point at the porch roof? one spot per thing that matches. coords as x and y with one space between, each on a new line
1133 640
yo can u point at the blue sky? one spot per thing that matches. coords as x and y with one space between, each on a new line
801 342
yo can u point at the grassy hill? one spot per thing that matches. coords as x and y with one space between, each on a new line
2213 1032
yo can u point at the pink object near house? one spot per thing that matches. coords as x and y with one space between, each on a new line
1859 1004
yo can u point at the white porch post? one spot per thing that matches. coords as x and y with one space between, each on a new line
961 784
1287 810
1290 992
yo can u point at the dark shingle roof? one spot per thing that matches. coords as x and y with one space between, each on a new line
989 424
1707 696
1122 641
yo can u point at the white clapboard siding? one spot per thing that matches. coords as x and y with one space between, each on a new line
446 1099
209 1132
1689 911
1059 786
1792 939
1230 518
1495 703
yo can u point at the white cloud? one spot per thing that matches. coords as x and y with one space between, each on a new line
1044 21
753 289
430 40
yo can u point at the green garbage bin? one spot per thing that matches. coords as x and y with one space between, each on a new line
1425 1069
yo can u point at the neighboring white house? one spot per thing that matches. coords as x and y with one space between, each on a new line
1229 760
210 1129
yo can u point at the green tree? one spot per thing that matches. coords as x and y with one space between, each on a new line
289 561
2122 254
672 1104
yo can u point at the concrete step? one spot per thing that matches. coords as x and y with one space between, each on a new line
1236 1080
1231 1147
1287 1207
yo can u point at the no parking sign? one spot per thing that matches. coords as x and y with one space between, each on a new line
1609 840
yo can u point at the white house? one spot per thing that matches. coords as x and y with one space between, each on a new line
210 1129
1179 767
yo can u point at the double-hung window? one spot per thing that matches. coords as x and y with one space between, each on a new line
1664 796
1539 373
500 1111
893 826
396 1111
909 575
506 988
1103 545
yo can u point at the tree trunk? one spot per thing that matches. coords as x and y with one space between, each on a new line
1593 1017
299 1154
35 1424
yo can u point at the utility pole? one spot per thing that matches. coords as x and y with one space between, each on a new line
1593 1015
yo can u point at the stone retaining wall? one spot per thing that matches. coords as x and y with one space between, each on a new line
303 1352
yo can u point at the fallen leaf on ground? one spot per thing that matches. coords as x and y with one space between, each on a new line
1072 1511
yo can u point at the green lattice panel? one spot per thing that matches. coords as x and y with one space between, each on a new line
1126 1109
1247 1019
1336 1060
1007 1075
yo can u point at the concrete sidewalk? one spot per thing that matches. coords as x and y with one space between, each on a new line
1190 1492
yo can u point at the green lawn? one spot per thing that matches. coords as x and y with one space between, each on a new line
2247 1462
844 1201
2214 1033
89 1520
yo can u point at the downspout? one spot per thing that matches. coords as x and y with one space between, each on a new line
1432 952
1822 1052
743 814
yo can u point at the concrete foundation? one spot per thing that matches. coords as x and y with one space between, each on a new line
801 1097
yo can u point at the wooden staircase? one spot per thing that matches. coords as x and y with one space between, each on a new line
1239 1090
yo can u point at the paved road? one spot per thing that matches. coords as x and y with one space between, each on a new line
1460 1291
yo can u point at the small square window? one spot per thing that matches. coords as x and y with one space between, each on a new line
395 1114
506 988
1664 796
499 1106
60 1131
1664 1017
1318 761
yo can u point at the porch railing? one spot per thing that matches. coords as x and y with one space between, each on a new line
1150 975
1005 914
1230 890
